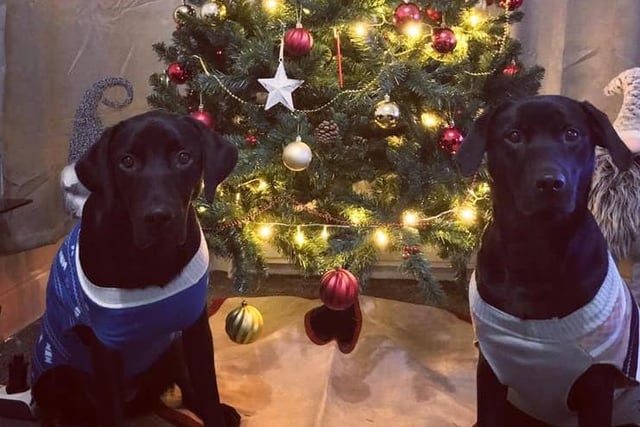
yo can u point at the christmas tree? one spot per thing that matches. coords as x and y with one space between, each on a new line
346 114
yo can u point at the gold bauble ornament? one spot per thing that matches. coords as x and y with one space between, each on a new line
184 9
297 155
213 9
386 113
243 325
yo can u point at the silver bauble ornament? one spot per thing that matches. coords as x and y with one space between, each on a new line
297 155
213 9
387 113
184 9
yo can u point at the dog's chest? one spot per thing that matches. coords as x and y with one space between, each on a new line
140 323
541 359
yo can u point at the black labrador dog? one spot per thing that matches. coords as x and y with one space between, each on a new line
556 326
126 314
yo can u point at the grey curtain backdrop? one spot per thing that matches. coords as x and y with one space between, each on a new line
55 49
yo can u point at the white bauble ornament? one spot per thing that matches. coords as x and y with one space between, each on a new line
297 155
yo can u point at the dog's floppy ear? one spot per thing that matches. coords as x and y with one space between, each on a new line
220 158
93 169
607 136
470 154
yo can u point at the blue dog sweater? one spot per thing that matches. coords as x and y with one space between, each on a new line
140 323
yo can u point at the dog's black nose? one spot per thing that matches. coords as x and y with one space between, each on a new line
158 216
551 182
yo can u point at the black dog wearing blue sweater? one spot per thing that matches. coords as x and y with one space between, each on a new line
126 313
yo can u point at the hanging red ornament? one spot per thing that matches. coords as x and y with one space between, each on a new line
177 73
251 140
511 4
443 40
298 41
511 69
409 250
450 140
406 12
338 289
434 15
203 116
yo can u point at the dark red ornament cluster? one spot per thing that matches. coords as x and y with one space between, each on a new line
433 14
511 69
409 250
406 12
298 41
177 73
251 140
443 40
450 140
510 4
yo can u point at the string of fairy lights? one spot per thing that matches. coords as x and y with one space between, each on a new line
465 212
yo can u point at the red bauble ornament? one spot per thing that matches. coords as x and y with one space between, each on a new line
177 73
406 12
338 289
434 15
443 40
298 41
251 140
511 69
450 140
511 4
203 116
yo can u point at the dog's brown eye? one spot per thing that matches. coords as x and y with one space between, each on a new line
127 161
571 134
514 136
184 157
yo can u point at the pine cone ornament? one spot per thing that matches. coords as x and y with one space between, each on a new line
327 132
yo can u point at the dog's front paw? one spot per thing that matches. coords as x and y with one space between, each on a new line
231 416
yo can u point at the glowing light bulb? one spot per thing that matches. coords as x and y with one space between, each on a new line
483 188
270 5
412 29
237 197
474 19
201 209
357 216
360 29
467 215
409 219
324 234
265 231
299 237
381 238
429 120
262 185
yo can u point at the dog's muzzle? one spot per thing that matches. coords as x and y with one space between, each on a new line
547 191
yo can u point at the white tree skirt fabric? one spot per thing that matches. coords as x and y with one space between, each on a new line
413 366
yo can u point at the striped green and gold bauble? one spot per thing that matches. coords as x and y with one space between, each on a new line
244 324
